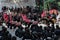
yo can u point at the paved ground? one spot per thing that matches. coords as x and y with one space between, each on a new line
12 32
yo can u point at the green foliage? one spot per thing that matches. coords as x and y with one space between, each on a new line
43 4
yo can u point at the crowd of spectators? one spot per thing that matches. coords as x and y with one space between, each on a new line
31 23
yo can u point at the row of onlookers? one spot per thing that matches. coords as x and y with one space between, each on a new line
31 23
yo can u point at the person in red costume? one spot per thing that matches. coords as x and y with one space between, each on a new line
5 17
24 17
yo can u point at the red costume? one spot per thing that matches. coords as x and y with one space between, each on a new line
5 17
24 17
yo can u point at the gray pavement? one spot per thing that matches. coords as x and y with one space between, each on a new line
12 32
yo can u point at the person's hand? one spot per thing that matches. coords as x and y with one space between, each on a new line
32 21
35 22
15 22
19 23
11 22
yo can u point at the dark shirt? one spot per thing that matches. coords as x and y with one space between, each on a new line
14 18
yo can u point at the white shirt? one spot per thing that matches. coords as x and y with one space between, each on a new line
43 25
24 26
4 24
58 17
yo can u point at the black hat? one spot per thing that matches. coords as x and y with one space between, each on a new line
4 8
11 9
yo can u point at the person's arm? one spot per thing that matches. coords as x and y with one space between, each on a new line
25 19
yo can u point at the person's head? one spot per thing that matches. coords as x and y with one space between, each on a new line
9 36
4 29
40 27
57 26
14 38
15 13
20 27
12 10
45 28
4 8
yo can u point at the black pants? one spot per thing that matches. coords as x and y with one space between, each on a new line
8 24
11 25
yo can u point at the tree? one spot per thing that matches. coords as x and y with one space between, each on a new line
39 3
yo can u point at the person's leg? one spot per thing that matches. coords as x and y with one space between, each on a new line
11 25
23 39
14 38
8 24
14 26
29 24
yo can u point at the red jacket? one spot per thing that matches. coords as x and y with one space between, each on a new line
24 17
53 11
10 17
43 14
5 17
